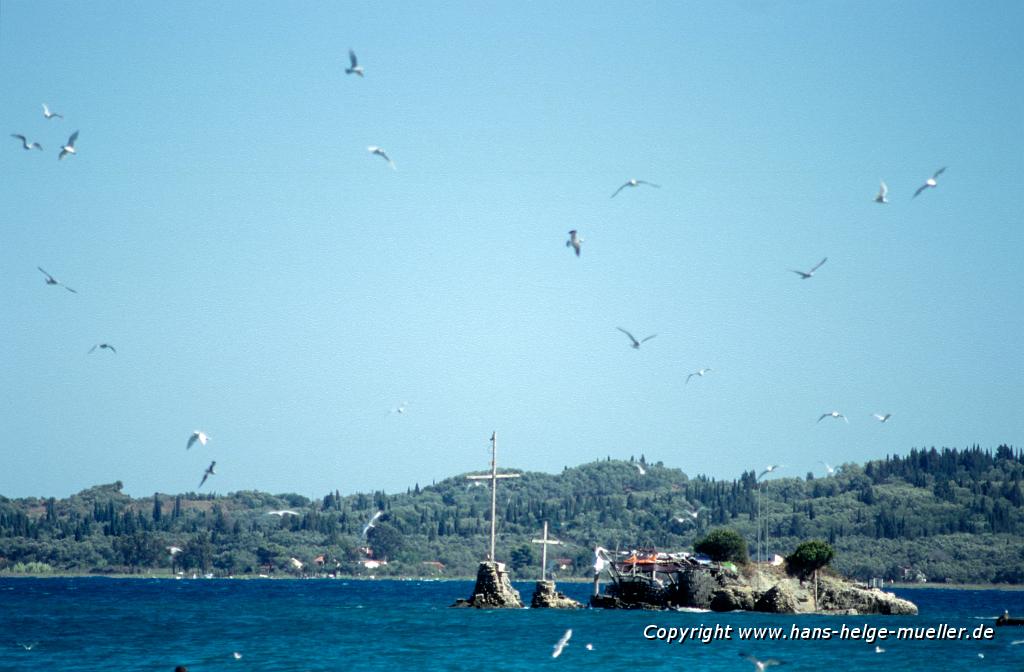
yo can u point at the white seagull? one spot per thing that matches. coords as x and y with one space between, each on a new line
379 151
760 664
574 242
356 68
881 418
833 414
692 516
640 468
400 409
25 143
804 275
174 550
68 148
634 183
636 343
201 437
562 643
829 469
930 183
282 513
767 470
50 115
883 191
209 472
29 646
697 373
370 524
879 649
103 346
50 280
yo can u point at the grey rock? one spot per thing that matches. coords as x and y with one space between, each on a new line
545 596
493 589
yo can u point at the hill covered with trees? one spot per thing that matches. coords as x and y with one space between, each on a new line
948 515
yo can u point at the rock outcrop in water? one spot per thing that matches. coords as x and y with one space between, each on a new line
493 589
764 589
545 596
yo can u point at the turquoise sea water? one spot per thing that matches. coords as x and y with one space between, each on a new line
141 624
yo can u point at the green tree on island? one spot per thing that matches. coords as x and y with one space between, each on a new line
723 545
808 558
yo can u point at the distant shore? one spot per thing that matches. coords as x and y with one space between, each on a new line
568 579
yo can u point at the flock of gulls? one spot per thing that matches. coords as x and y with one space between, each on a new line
575 242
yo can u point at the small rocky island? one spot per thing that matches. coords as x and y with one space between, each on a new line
684 580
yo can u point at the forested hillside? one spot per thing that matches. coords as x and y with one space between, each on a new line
948 515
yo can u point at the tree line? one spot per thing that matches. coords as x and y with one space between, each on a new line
948 515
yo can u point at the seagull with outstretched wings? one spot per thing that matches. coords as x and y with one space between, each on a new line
930 183
25 143
379 151
50 280
833 414
575 241
635 343
50 115
69 148
209 472
103 346
200 436
699 374
635 183
806 274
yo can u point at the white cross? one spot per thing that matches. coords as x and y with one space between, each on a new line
544 553
493 478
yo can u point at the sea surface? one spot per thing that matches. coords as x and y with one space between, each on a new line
156 624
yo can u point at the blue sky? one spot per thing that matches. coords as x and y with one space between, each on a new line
268 281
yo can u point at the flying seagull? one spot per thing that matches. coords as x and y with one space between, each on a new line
400 409
29 646
804 276
25 143
206 474
574 242
50 115
356 68
692 516
562 643
883 191
930 183
103 346
173 550
767 470
760 664
697 373
282 513
201 437
68 148
833 414
882 418
379 151
636 343
640 468
634 183
370 524
50 280
829 469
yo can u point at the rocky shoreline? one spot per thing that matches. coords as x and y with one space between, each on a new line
763 589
